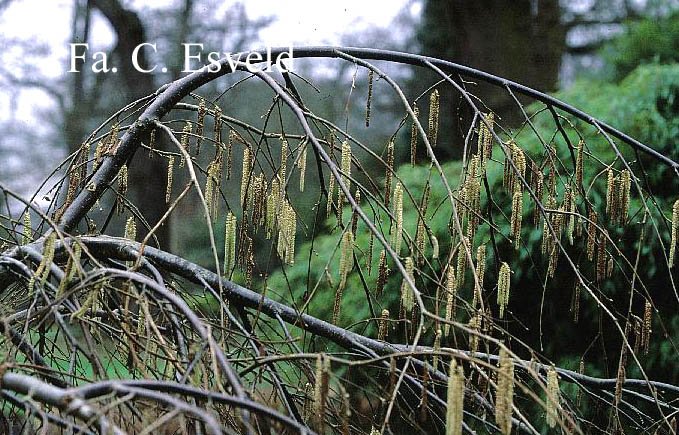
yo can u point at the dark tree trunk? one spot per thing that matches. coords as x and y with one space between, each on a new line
521 40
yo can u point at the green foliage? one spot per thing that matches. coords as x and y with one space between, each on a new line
647 41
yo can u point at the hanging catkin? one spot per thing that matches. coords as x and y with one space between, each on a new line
480 272
301 164
517 214
675 232
230 234
388 173
451 289
505 393
397 225
382 273
579 166
455 402
368 103
503 285
185 142
434 114
346 257
553 397
624 202
485 141
200 124
383 325
122 189
346 173
413 137
247 170
170 171
28 231
321 390
407 296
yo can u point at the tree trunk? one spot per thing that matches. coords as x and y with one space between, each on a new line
521 40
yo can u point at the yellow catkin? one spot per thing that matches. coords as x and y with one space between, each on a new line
480 272
474 325
301 164
287 229
200 124
382 272
122 188
346 172
591 234
420 240
520 161
579 165
185 141
388 173
245 179
675 232
218 126
321 390
28 231
331 195
368 103
113 139
73 182
397 225
259 200
538 185
230 234
505 393
101 150
170 170
570 227
472 195
44 268
553 397
488 138
407 296
602 256
272 207
461 262
517 213
383 326
648 320
413 137
233 136
611 187
455 399
625 187
451 289
152 148
130 229
283 171
434 113
346 257
84 159
503 285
